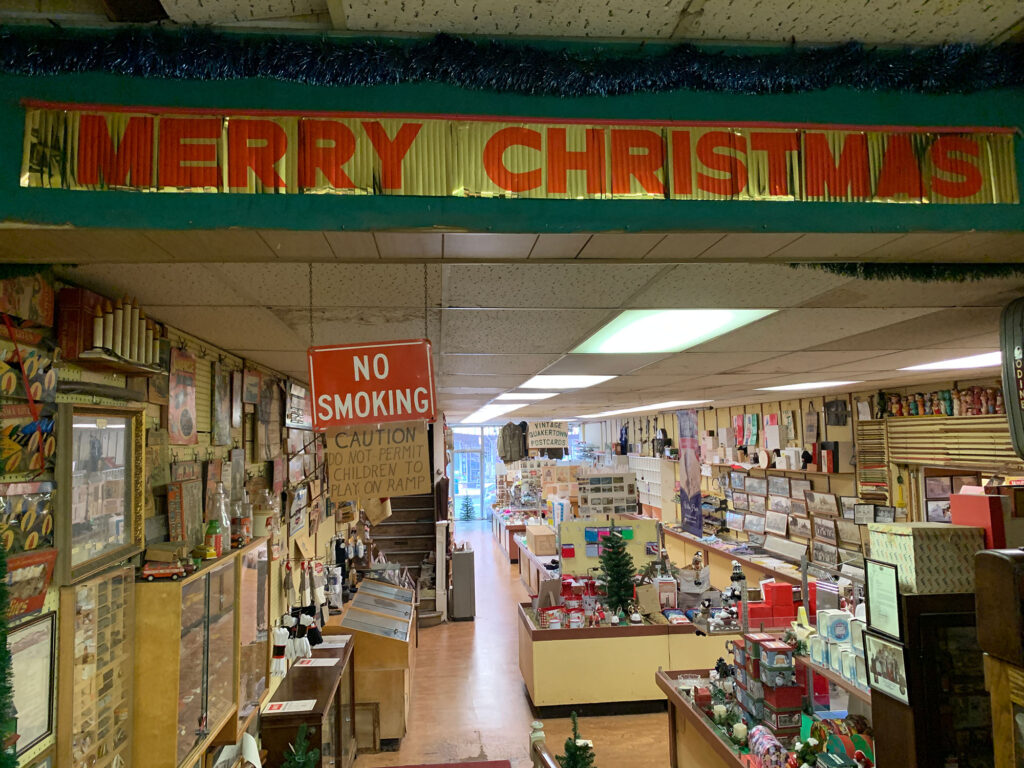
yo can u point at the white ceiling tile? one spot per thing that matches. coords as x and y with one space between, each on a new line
354 325
294 360
927 329
633 383
233 327
580 364
156 284
740 247
227 11
906 247
619 246
487 246
369 285
989 340
214 245
558 246
734 286
489 391
266 283
833 246
507 381
543 285
694 364
804 362
893 362
517 331
978 246
297 245
353 246
683 247
894 293
408 245
525 365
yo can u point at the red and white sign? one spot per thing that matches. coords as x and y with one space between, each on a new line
371 383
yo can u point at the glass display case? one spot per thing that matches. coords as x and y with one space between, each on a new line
253 629
96 660
185 649
99 485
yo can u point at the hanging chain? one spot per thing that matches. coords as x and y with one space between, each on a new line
312 343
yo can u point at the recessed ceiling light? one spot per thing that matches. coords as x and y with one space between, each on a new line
490 412
808 385
985 360
563 382
526 396
563 419
666 330
652 407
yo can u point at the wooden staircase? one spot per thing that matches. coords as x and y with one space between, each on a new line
407 538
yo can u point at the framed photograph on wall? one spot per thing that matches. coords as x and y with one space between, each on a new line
881 581
776 522
800 526
826 554
739 500
734 521
824 529
756 504
251 383
779 504
885 514
848 532
32 658
847 505
754 524
798 507
938 511
756 485
778 486
960 481
822 503
798 487
887 668
863 513
938 487
737 480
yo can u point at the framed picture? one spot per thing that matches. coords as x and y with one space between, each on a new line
778 486
45 760
848 532
800 526
959 481
826 554
885 514
181 406
938 511
779 504
822 503
887 669
737 480
32 657
236 399
220 406
739 500
938 487
756 539
863 513
756 485
251 381
776 522
754 524
852 558
825 529
756 504
883 598
798 487
847 504
798 507
734 521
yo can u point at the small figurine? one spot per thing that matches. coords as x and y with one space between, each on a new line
1000 407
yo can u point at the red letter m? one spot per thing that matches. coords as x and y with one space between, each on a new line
131 158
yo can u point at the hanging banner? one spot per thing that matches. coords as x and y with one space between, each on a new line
547 434
691 509
371 383
373 463
167 149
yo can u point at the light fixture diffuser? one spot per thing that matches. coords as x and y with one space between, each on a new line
523 396
985 360
808 385
490 412
563 382
666 330
653 407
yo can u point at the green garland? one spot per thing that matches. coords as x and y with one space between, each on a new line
8 758
918 273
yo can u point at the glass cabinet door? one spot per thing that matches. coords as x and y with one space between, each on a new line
348 721
254 628
330 747
191 672
220 695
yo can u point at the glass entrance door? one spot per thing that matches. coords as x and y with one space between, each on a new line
467 475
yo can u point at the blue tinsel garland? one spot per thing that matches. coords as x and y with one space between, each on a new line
510 67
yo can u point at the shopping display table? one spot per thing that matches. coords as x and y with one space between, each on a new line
505 533
532 568
693 740
683 546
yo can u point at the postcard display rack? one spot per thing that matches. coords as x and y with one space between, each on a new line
656 482
96 649
607 493
186 658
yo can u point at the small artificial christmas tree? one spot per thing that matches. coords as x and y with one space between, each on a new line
578 753
617 570
299 755
466 513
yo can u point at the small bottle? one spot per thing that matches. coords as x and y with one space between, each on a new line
220 511
214 537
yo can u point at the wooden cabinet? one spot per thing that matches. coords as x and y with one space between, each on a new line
95 695
185 659
330 723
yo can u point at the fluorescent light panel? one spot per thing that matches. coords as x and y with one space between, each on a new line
808 385
489 412
523 396
986 360
564 382
652 407
666 330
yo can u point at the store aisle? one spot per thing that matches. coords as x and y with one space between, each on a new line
468 699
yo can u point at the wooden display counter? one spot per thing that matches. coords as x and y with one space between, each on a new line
505 533
607 664
693 740
531 567
683 546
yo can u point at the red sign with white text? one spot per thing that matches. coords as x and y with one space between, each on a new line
371 383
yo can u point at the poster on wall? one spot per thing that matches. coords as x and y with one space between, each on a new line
28 578
542 435
220 406
181 406
692 513
236 399
251 381
299 411
370 463
268 421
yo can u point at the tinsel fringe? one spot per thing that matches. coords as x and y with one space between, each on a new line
507 67
918 273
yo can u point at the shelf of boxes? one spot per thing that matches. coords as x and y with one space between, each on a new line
655 481
607 493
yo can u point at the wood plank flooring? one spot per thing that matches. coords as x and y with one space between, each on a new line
469 702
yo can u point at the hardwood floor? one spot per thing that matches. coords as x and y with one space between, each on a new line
469 702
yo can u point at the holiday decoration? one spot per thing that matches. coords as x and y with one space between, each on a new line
579 753
199 54
300 755
920 273
8 723
617 570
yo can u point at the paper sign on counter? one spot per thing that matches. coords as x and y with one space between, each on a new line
251 751
341 642
317 662
301 705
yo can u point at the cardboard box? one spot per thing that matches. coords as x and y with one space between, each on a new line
932 558
541 540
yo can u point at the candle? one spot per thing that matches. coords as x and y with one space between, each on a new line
156 344
133 333
117 325
150 360
97 328
108 325
126 327
719 713
140 338
739 732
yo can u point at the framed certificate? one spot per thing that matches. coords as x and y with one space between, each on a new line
32 657
883 598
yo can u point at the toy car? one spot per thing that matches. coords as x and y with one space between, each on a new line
154 570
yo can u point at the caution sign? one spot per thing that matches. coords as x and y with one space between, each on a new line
378 462
548 434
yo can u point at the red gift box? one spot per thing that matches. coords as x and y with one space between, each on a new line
777 593
788 697
981 512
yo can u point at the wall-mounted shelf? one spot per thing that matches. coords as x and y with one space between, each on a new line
834 677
